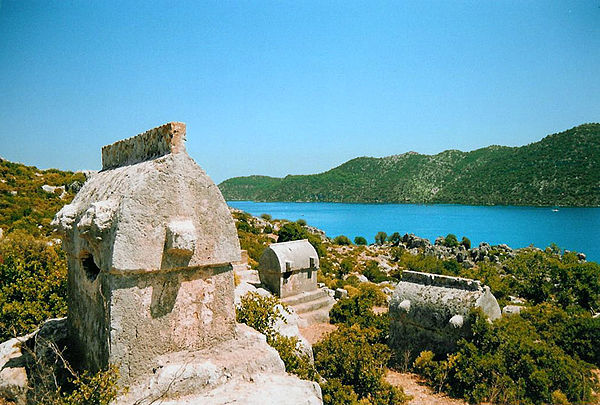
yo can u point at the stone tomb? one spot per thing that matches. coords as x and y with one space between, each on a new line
289 270
431 311
150 242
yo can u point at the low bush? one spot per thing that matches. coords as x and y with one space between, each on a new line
466 242
354 363
360 241
296 231
262 313
508 362
33 283
346 266
395 239
357 310
380 238
450 240
342 240
373 273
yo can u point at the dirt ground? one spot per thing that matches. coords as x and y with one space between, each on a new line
422 394
316 332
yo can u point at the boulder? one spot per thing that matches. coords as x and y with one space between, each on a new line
340 293
511 309
17 356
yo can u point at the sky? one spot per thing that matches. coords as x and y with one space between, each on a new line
281 87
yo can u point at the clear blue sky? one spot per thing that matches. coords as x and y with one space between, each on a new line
292 87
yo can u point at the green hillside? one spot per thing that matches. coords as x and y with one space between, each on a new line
24 204
562 169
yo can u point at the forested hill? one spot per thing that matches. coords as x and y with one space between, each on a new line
560 170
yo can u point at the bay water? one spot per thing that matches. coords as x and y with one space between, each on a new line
575 229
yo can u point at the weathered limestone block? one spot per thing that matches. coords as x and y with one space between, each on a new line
19 355
157 142
431 312
150 244
181 237
228 372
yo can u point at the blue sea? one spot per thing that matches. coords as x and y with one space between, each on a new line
575 229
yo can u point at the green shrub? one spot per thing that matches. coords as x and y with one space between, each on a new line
380 238
33 281
296 361
395 238
544 277
466 242
357 310
336 393
575 332
373 273
254 245
31 210
346 266
301 222
291 231
266 217
91 389
359 240
294 231
451 240
508 362
262 313
342 240
352 356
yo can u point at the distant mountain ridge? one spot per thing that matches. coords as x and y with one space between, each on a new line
562 169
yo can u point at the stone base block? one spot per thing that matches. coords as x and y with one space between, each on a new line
244 370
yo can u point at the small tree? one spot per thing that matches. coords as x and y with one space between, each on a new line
342 240
466 242
359 240
294 231
380 237
301 222
451 240
395 238
291 231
